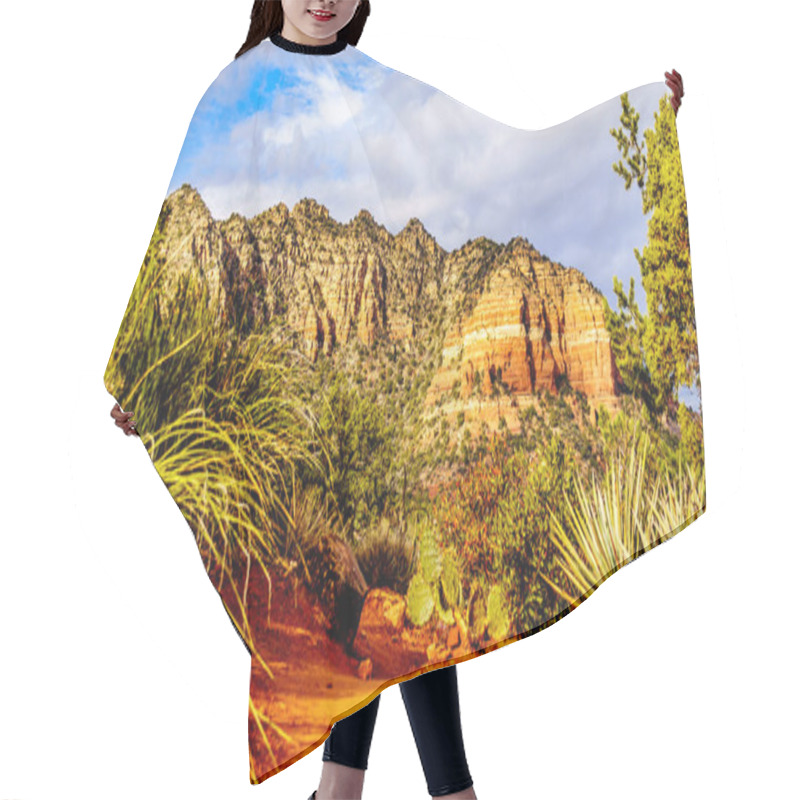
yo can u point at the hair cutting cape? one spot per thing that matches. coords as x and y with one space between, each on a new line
419 381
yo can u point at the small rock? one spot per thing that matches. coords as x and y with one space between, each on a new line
452 636
365 669
392 650
437 653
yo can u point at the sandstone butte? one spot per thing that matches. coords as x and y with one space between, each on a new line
511 323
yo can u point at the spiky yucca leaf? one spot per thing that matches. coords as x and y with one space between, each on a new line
607 527
387 556
676 502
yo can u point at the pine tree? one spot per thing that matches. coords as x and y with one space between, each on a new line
659 353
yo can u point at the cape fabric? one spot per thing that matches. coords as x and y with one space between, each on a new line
419 381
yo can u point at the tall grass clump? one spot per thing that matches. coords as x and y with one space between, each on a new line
387 555
622 513
220 415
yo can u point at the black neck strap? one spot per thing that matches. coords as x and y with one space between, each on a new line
310 49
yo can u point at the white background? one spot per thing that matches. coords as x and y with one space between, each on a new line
120 675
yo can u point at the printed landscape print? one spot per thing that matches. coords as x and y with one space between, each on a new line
396 455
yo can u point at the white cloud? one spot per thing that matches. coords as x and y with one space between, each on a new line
354 134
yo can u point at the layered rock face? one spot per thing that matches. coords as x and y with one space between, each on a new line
503 321
533 325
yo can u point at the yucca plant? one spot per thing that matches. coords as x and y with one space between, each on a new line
308 525
608 527
386 555
225 493
224 460
675 502
220 415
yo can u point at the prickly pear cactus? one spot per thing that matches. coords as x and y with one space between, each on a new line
451 583
419 600
430 555
445 614
477 620
497 613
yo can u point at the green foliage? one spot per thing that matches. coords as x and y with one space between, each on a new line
354 433
162 341
660 352
419 600
477 616
268 453
603 528
626 330
308 542
691 424
674 502
497 517
451 583
220 415
429 554
497 613
440 575
666 451
623 512
220 412
445 614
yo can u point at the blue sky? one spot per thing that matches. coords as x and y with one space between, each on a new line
353 133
